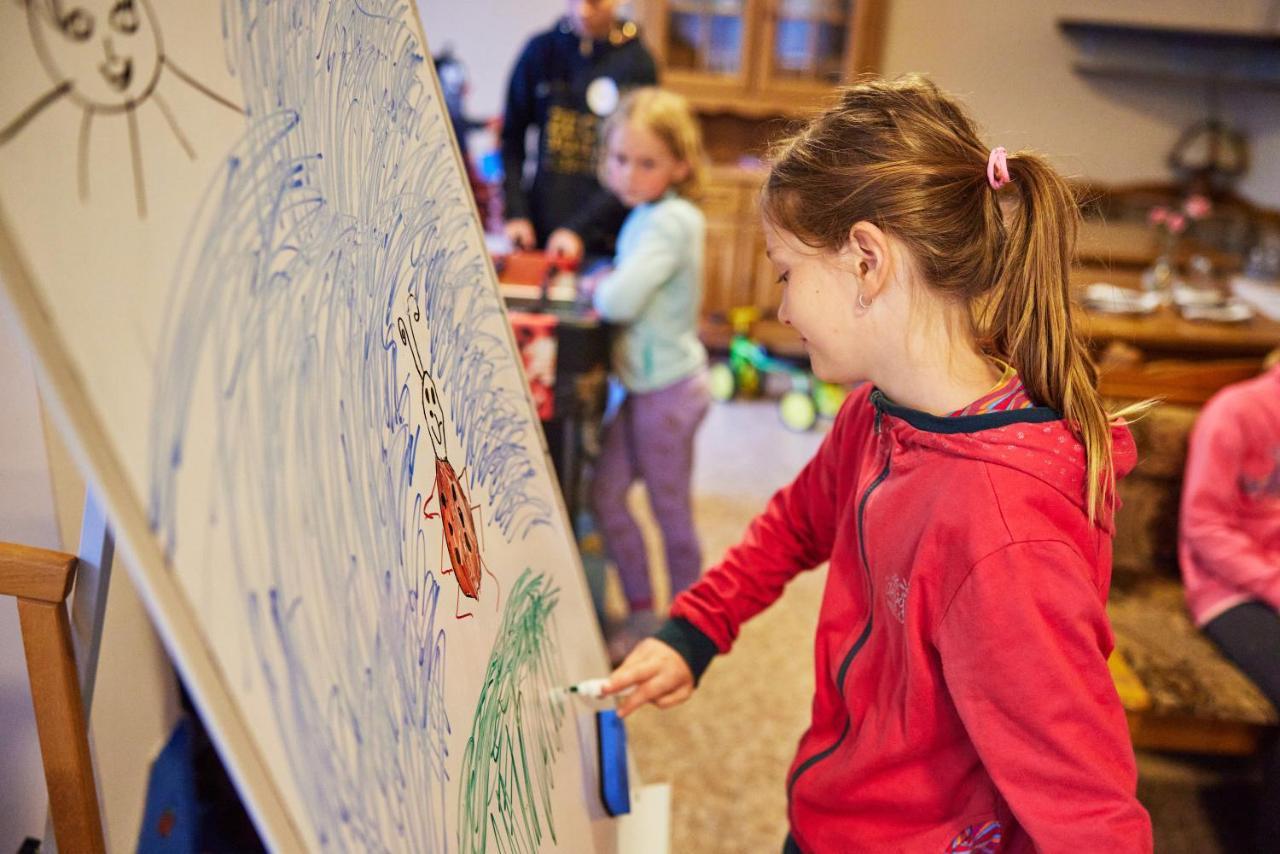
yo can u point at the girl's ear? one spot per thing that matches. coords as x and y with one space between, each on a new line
683 169
869 252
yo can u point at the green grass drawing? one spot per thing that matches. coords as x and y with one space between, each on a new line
504 802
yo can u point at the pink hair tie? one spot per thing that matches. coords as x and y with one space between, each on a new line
998 168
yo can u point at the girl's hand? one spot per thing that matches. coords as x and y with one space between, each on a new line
657 672
520 233
565 244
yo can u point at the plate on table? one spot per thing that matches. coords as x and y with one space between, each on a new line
1188 296
1114 299
1232 311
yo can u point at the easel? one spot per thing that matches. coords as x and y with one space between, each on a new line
56 642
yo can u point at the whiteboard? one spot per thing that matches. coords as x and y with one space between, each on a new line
242 247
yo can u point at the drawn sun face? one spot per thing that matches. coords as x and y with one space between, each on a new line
107 50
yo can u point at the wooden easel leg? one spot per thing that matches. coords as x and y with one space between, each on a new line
60 721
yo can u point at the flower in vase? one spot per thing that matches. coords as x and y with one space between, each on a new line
1174 220
1171 222
1197 206
1168 220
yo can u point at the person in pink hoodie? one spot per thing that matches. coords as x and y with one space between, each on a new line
963 500
1229 546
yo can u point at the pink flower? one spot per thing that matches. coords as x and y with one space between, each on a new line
1176 223
1158 215
1197 206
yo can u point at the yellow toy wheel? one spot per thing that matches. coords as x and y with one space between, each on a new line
797 410
748 379
721 382
828 397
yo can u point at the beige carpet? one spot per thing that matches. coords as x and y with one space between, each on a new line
726 751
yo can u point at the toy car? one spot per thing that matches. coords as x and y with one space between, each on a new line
799 407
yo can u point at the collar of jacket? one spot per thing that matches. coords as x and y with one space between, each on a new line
961 423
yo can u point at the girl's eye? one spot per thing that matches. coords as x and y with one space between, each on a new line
647 164
124 17
77 24
783 279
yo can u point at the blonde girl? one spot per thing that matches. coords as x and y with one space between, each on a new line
654 163
963 498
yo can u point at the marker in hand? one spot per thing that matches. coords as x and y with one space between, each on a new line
594 688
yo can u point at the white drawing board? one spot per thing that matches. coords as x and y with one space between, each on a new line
241 244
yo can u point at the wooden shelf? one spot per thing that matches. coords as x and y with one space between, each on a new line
1222 57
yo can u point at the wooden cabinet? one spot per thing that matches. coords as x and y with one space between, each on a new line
737 271
762 57
746 66
733 229
721 279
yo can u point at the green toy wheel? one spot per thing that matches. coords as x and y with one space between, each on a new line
721 381
797 410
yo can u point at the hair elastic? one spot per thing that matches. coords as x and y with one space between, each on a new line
998 168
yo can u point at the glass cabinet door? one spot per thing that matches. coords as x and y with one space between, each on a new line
809 40
705 37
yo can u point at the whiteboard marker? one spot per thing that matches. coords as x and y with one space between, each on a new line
594 688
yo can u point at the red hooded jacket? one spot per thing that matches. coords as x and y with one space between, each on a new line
963 697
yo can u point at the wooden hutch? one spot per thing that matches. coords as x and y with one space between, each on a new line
751 68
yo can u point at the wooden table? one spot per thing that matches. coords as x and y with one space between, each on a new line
1165 333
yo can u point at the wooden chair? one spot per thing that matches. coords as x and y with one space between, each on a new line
1190 383
1178 691
41 580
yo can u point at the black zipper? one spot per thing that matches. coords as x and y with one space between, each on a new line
866 630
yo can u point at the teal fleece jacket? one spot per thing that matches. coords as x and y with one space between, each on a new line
654 293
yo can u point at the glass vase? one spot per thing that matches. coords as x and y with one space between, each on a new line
1159 278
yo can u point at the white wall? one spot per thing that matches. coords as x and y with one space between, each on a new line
135 703
1008 60
487 35
1013 67
26 516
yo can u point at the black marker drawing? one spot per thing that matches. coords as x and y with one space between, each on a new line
106 56
456 512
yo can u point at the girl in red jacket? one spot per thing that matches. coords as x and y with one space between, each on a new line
963 498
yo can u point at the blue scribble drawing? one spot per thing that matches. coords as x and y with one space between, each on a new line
342 200
504 802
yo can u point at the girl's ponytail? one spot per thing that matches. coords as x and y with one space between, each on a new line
1028 317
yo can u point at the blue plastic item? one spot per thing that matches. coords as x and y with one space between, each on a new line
615 783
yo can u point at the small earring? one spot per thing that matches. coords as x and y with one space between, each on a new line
862 302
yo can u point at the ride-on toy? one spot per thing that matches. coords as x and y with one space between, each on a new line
799 407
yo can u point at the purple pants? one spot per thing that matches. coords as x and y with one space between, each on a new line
651 439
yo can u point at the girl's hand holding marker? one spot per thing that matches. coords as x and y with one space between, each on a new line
652 673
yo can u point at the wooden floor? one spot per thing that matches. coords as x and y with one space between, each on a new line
727 750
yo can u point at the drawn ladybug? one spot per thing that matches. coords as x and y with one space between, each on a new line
456 511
